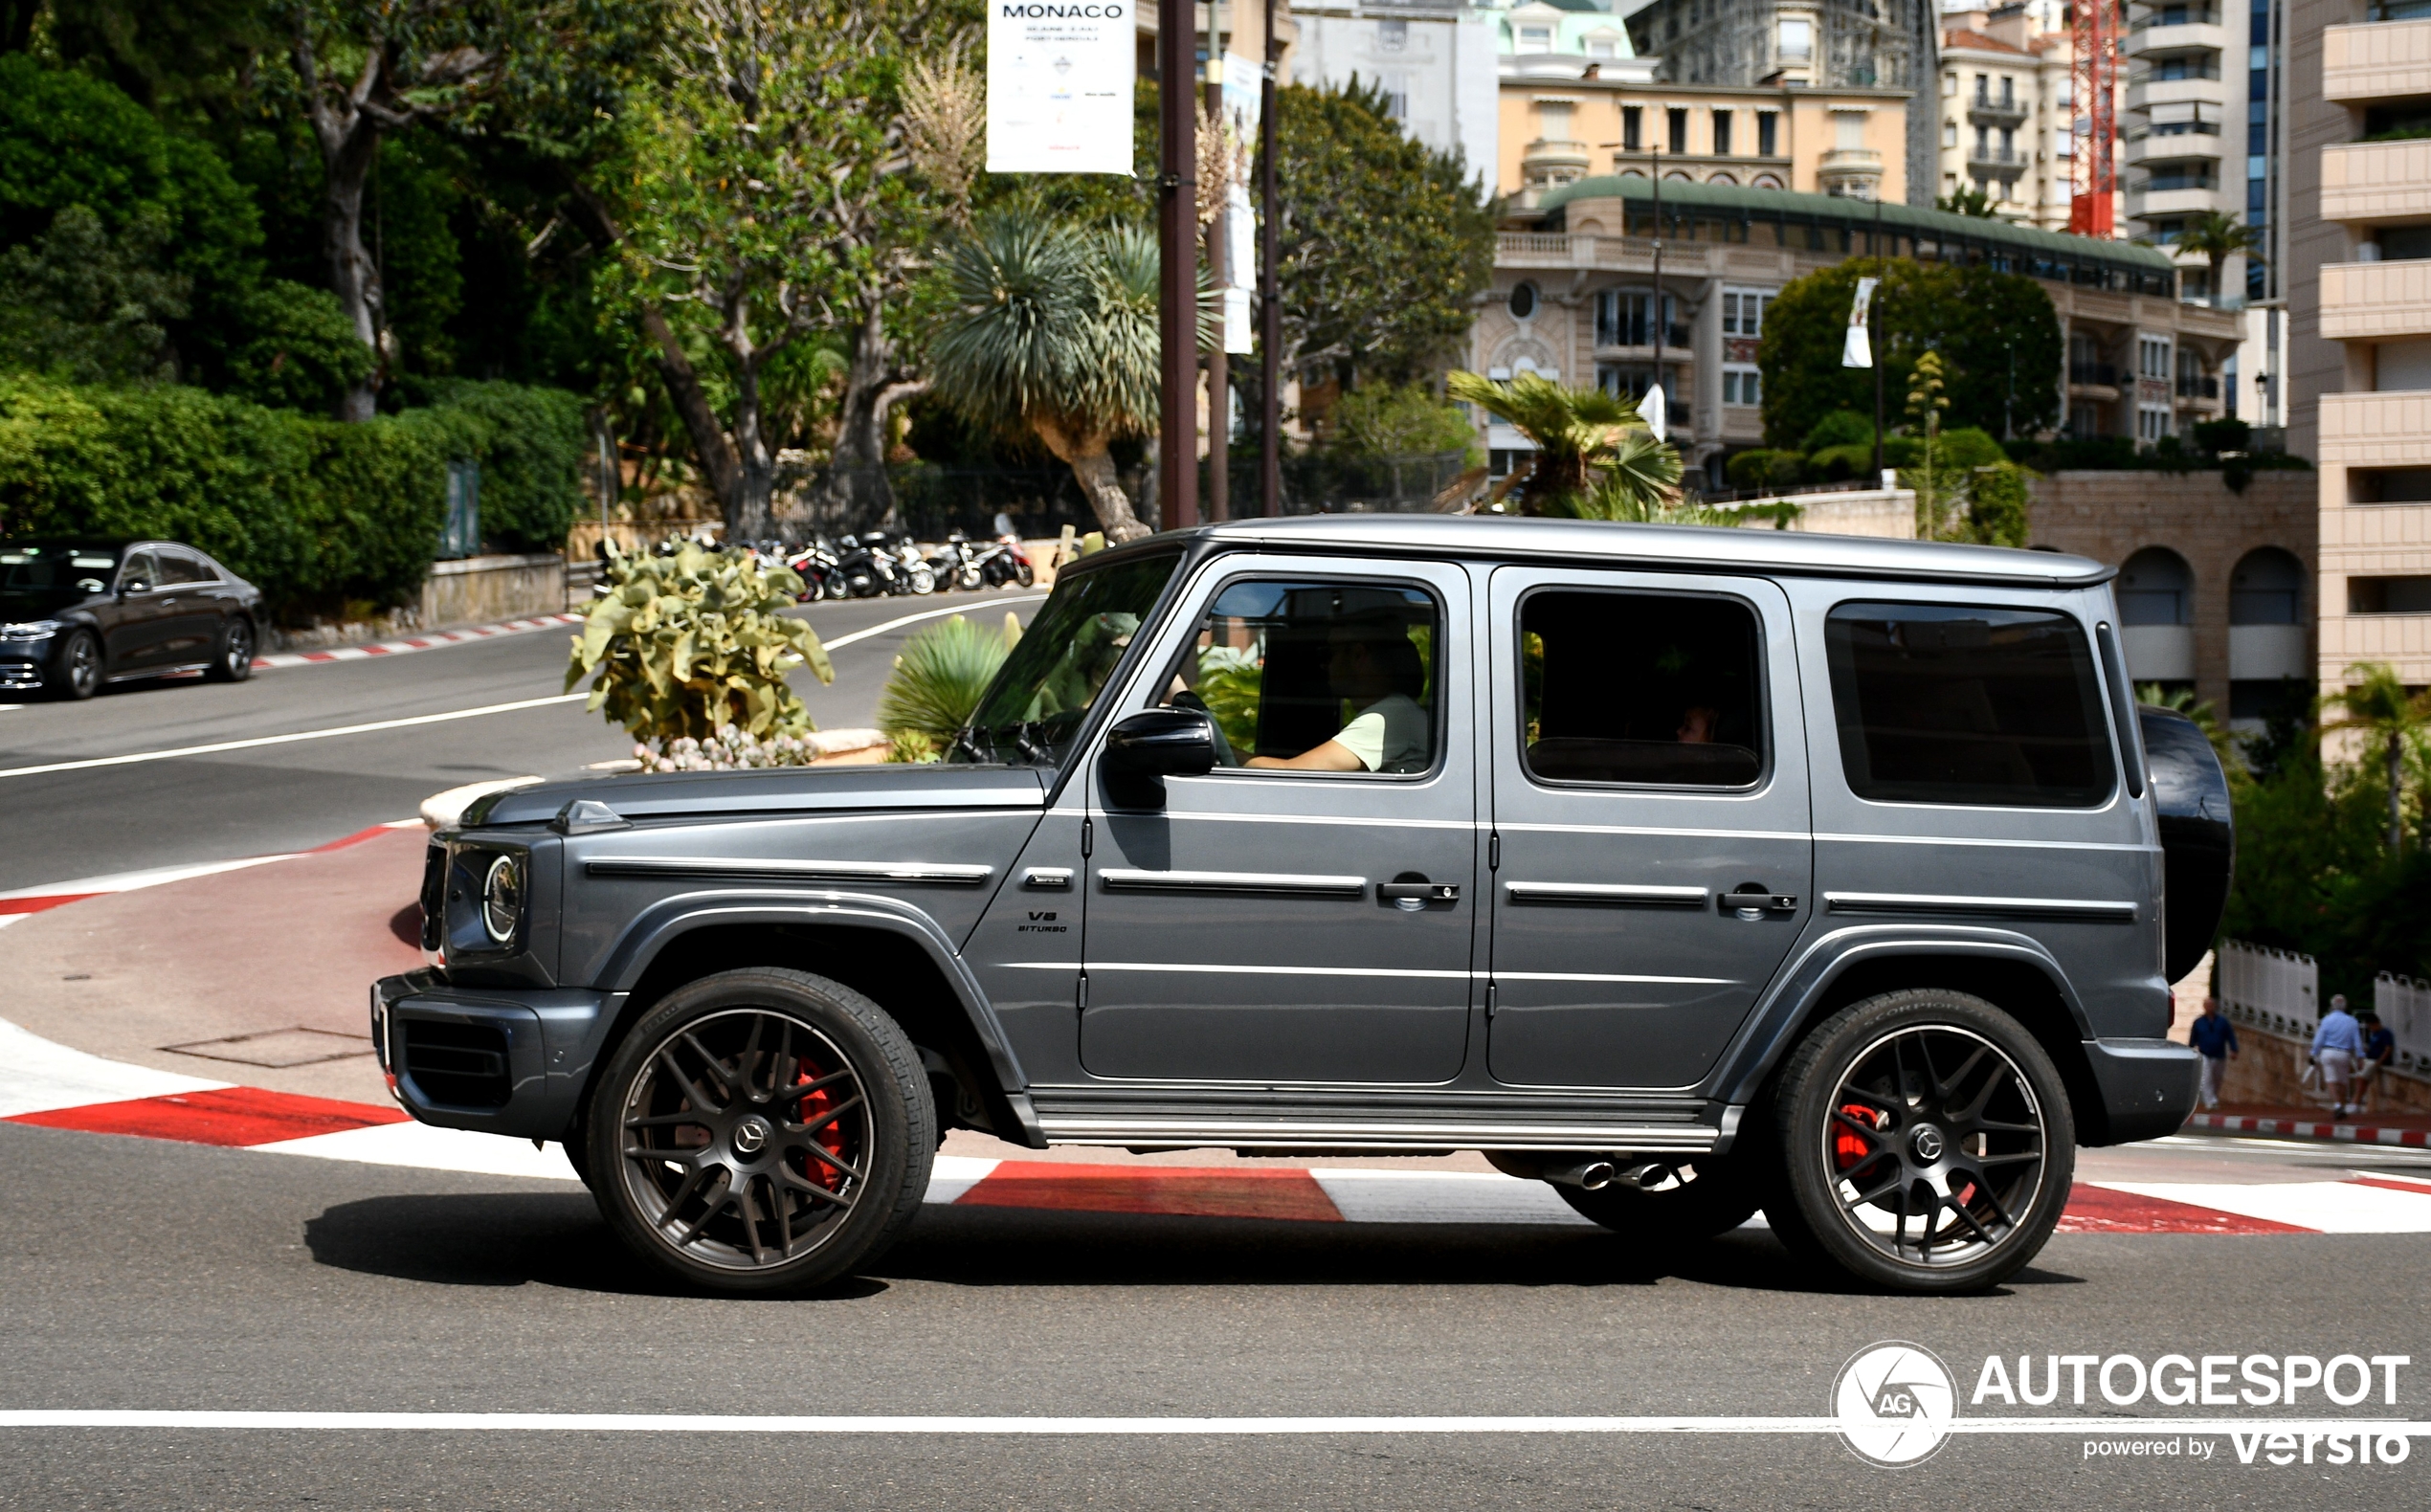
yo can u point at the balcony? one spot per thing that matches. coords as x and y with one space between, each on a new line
1638 336
2269 652
2180 197
2198 388
2376 301
1998 111
1856 171
2158 653
1996 162
2390 61
2184 37
2371 181
2202 144
2377 430
2144 93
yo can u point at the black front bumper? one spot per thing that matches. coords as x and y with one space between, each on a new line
24 663
2147 1088
502 1060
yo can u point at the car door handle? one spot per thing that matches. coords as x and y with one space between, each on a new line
1418 892
1746 903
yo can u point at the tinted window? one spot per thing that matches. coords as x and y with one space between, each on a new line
1317 677
139 567
1641 688
1944 703
1039 697
179 567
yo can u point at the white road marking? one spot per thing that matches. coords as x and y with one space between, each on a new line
37 1077
1137 1426
1443 1196
842 641
429 1148
2331 1207
949 1176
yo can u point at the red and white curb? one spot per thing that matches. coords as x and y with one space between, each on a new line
404 645
25 902
49 1085
2309 1128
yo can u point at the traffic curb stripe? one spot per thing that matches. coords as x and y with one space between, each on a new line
232 1117
2309 1128
406 644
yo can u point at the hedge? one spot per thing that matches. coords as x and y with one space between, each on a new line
316 512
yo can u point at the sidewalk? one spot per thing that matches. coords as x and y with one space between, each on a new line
2364 1128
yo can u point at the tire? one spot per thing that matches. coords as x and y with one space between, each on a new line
234 660
1022 569
1920 1142
1671 1201
724 1161
78 672
924 579
967 577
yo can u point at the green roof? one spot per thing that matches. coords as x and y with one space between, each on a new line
1859 215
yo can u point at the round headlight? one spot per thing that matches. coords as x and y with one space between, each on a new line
502 899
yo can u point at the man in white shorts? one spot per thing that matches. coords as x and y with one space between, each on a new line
1376 666
2337 1045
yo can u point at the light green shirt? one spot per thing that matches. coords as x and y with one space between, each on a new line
1389 735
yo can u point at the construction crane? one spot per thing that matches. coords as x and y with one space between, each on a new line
2093 69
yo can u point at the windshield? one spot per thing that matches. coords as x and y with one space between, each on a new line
1041 695
54 574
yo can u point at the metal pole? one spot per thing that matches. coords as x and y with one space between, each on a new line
1219 363
1270 309
1880 348
1653 156
1178 248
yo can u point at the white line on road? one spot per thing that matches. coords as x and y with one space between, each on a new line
216 747
1196 1427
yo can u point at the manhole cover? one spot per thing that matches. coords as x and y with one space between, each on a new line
278 1048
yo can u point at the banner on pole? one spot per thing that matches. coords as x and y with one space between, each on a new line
1859 349
1242 92
1650 410
1060 77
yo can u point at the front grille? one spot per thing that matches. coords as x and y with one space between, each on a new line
434 896
457 1065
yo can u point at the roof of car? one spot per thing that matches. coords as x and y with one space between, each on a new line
1749 548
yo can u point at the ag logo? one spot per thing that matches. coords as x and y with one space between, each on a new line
1894 1402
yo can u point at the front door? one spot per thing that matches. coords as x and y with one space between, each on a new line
135 622
1648 763
1303 913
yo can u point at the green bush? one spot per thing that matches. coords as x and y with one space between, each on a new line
314 512
937 682
692 647
1839 428
1382 420
1761 469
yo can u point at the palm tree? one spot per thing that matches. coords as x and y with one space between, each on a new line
1637 480
1574 429
2215 237
939 676
2378 707
1052 330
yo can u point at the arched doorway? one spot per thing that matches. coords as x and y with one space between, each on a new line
2270 663
2156 616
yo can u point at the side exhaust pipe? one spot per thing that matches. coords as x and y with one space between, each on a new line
1587 1175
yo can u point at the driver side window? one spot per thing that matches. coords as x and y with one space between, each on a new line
1317 677
139 568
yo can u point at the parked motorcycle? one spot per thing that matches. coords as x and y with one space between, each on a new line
918 574
1002 560
815 565
957 563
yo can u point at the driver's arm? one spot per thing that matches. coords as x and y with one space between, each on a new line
1331 756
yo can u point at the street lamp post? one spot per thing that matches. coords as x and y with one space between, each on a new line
1219 364
1880 350
1178 248
1654 158
1270 309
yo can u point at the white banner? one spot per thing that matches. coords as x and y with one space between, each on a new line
1242 91
1059 75
1857 351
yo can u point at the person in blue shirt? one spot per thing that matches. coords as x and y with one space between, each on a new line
2337 1045
2215 1038
2380 1048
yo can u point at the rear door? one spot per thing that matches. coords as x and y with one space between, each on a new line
189 609
1648 761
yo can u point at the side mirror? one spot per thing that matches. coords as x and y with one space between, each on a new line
134 585
1162 742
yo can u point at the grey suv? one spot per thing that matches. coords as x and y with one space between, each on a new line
1690 870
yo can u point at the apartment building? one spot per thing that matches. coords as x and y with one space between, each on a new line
1575 296
2358 281
1434 60
2004 115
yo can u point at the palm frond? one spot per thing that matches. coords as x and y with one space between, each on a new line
939 677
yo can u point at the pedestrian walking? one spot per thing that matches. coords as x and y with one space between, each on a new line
2380 1048
2215 1039
2337 1045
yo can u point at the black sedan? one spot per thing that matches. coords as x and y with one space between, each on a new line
75 614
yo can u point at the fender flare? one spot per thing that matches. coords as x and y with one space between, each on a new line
1770 1030
652 930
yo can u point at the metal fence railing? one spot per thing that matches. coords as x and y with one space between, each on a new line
2271 991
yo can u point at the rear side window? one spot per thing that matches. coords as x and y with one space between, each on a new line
1653 688
1950 704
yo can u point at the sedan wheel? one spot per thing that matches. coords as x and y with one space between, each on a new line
762 1129
79 672
1925 1143
234 662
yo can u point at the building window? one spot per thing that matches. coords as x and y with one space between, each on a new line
1768 133
1950 85
1848 130
1601 47
1676 123
2152 356
1722 133
1797 39
1536 39
2151 423
1742 385
1392 36
1623 318
1524 301
1950 133
1631 139
1742 312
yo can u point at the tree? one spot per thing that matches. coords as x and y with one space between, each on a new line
2215 237
1996 332
88 307
1382 419
1383 241
2378 707
772 199
1637 480
1969 201
364 70
1052 330
1574 429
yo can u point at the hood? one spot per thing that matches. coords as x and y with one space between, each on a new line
782 790
39 602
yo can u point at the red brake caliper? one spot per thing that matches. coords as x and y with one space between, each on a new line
1849 1148
831 1138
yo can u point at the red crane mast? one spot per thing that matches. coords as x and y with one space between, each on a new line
2093 69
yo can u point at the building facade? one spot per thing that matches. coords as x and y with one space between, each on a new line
1818 44
2005 116
1434 59
1576 299
2358 280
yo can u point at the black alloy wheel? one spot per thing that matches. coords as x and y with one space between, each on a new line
761 1129
234 662
78 672
1672 1200
1924 1142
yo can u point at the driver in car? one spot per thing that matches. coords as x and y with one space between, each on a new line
1374 664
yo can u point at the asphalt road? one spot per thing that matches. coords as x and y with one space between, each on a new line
142 1274
294 794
